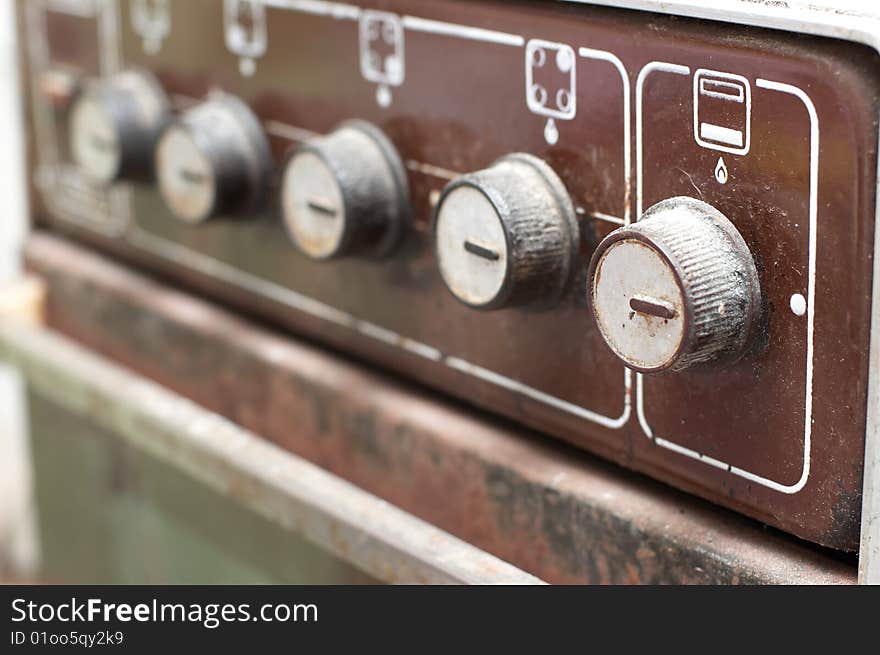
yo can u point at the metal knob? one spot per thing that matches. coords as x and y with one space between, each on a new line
679 288
345 194
507 235
214 161
113 126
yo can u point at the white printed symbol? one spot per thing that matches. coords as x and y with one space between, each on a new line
551 133
382 52
721 173
151 20
245 22
722 111
551 83
798 304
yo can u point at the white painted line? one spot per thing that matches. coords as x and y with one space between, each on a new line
318 8
378 333
801 95
80 8
301 135
614 60
432 171
111 44
693 454
291 132
608 218
540 396
461 31
414 23
654 66
421 349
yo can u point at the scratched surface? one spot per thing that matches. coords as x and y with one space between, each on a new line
776 130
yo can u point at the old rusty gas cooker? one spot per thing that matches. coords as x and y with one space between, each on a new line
650 236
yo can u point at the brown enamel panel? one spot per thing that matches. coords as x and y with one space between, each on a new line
775 130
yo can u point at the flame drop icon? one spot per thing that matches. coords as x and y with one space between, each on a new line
551 133
721 173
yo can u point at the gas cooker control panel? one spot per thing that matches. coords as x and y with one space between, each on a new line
651 237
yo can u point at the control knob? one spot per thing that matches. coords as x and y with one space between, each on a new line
506 236
113 126
214 160
345 194
679 288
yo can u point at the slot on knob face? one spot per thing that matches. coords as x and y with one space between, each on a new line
506 236
113 126
214 161
677 289
345 194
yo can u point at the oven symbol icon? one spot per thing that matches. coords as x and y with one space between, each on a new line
382 52
151 20
551 83
245 23
550 79
722 111
381 46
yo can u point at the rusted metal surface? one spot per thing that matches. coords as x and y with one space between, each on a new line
375 536
776 436
557 513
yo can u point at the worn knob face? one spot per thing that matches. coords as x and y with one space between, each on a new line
506 236
114 124
677 289
345 194
214 161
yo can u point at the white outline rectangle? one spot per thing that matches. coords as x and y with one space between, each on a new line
721 78
811 282
533 104
738 96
